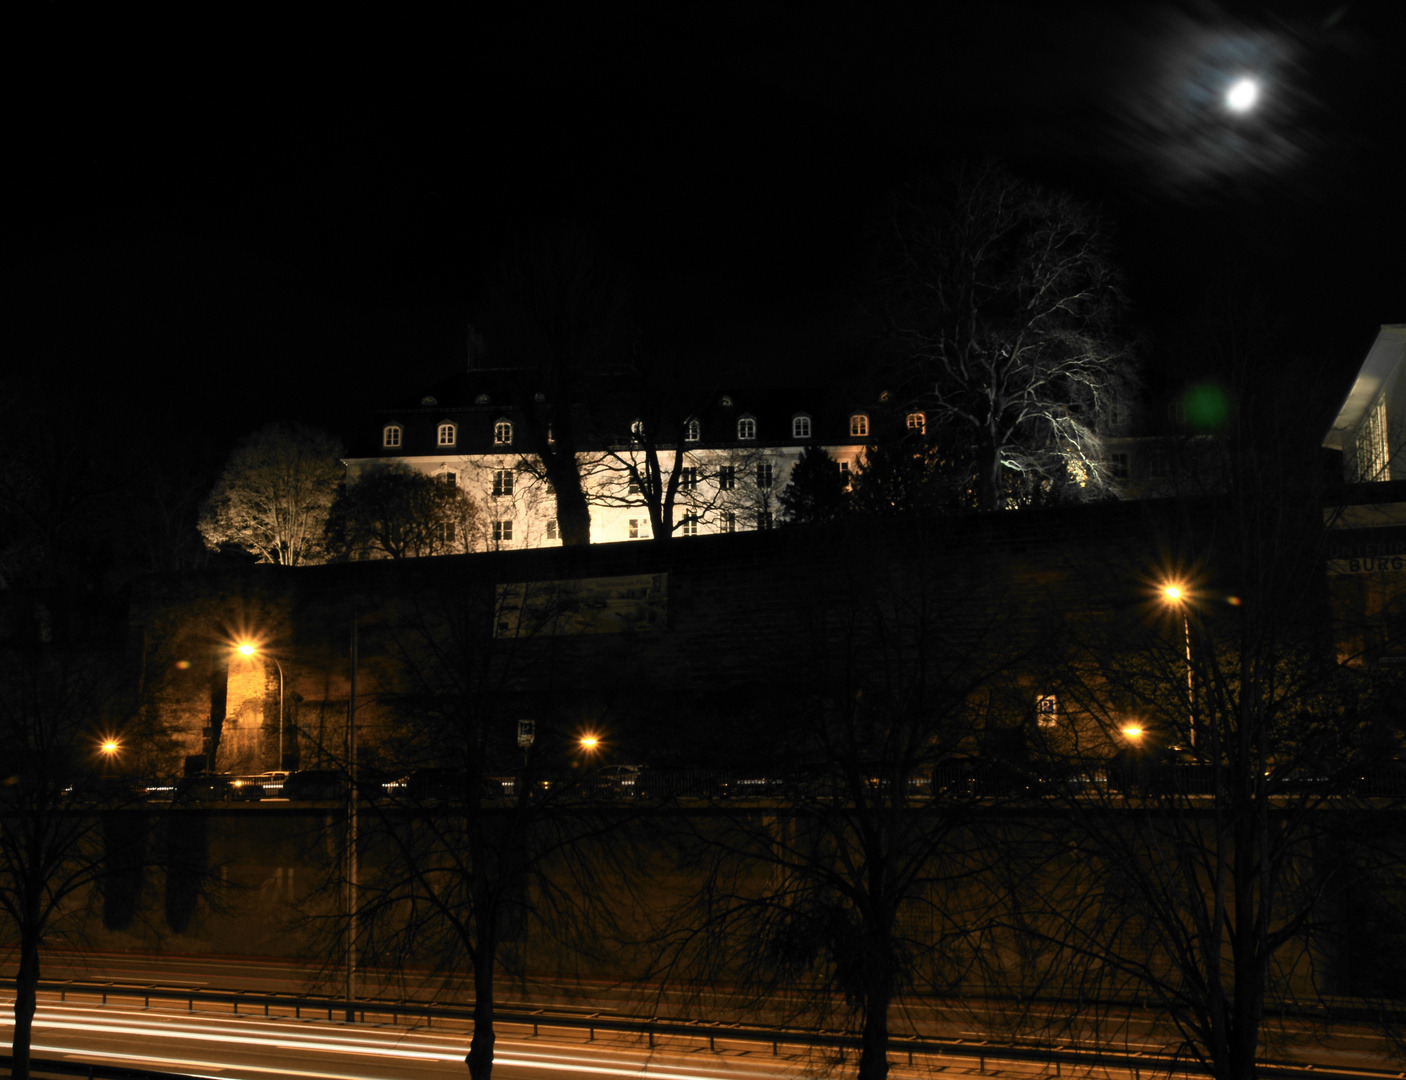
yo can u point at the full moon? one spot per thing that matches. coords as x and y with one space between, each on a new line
1242 96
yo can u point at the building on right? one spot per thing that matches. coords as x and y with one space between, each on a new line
1367 515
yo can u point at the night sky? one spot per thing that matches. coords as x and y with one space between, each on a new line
229 218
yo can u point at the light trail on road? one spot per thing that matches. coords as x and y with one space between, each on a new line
222 1046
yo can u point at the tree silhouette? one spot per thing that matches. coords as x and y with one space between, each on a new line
815 493
398 512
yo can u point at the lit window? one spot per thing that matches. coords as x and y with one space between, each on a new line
859 424
1373 461
502 481
917 422
688 477
844 472
1047 710
689 525
503 433
552 529
746 428
390 435
448 435
800 427
764 474
634 528
502 532
692 432
763 519
729 522
727 477
1120 466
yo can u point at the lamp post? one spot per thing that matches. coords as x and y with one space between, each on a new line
249 649
1175 595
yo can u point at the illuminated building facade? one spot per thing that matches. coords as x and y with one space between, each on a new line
727 457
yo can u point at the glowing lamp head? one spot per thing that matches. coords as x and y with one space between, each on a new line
1173 594
110 746
1133 731
589 742
247 649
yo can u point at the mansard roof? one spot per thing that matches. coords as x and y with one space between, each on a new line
476 400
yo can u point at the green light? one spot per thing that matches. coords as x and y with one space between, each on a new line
1207 407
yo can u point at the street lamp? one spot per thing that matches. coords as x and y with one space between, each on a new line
1175 595
249 649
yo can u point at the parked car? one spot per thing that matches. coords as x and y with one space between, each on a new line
1165 770
434 785
315 785
265 785
204 787
979 777
619 782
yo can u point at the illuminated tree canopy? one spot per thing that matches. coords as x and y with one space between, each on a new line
999 308
275 494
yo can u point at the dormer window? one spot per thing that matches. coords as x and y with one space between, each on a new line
390 436
637 430
917 422
482 399
692 432
725 402
428 402
503 433
746 428
447 434
800 427
859 425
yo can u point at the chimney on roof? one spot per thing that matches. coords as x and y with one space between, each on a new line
474 348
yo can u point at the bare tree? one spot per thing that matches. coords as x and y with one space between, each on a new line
62 797
1000 304
482 844
563 311
848 866
274 496
1204 876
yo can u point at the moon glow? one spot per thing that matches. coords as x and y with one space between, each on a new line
1242 96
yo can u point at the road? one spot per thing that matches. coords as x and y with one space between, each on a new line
220 1042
